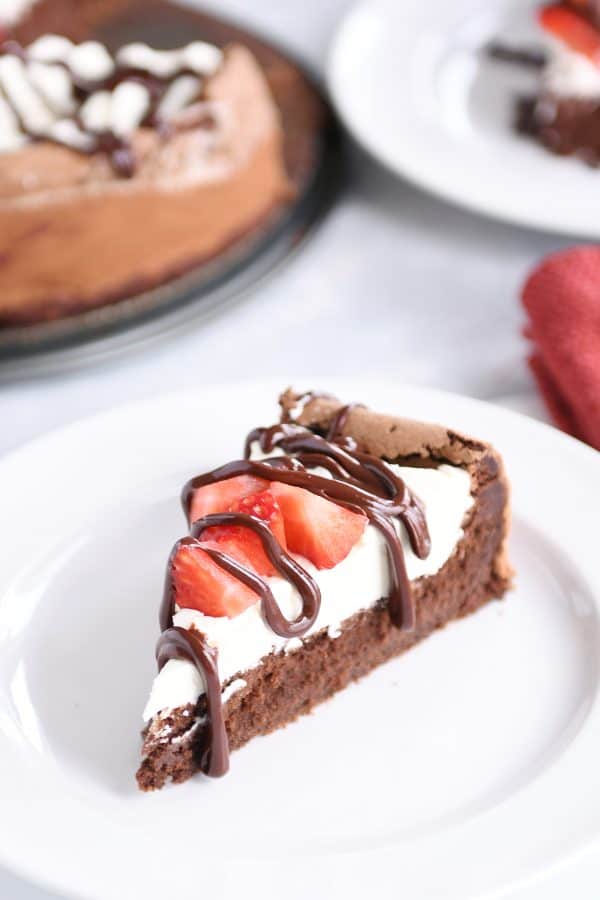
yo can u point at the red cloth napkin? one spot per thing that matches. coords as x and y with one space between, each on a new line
562 297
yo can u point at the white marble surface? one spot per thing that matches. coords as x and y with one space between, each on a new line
393 283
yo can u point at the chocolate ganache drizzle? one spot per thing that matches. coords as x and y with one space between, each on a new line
178 643
359 482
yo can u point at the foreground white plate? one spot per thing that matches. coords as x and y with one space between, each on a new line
412 85
467 766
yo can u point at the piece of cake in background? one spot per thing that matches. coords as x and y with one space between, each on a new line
119 172
341 539
565 116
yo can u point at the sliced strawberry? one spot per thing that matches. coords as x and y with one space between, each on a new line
236 539
318 529
200 583
572 29
218 497
264 506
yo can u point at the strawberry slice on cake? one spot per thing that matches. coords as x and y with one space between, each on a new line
341 539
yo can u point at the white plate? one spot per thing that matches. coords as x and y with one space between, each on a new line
467 766
412 85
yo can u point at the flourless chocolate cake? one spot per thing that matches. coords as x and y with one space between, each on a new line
124 164
340 540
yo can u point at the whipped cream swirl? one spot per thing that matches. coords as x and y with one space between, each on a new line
12 11
81 96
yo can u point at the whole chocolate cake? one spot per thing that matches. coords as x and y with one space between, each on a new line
123 165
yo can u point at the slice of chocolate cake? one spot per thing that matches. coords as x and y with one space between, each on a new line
341 539
565 116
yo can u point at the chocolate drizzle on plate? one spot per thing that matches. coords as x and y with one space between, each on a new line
528 57
360 482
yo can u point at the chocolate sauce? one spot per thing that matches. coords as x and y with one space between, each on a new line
283 563
118 150
339 420
180 643
528 57
362 483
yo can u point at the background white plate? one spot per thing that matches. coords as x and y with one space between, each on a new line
411 84
467 766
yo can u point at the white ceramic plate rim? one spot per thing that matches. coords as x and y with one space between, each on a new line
509 845
446 173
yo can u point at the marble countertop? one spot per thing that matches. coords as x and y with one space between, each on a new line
393 283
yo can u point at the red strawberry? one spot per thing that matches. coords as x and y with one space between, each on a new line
218 497
318 529
200 583
236 539
264 506
572 29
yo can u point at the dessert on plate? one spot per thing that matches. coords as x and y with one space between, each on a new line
342 538
565 115
120 170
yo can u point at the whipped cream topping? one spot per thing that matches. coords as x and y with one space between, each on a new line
75 93
356 583
570 74
11 11
198 57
